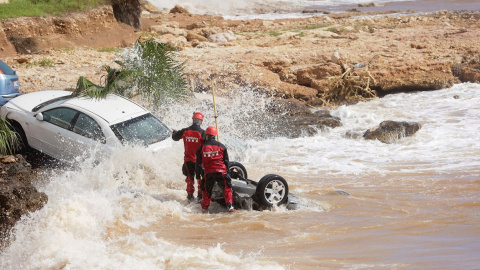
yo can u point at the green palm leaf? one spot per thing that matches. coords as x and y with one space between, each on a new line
152 72
8 138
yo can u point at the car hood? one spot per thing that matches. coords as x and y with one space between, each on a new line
160 145
28 102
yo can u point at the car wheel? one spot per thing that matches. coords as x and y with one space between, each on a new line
22 147
272 190
237 170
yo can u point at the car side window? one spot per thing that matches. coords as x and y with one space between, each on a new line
89 128
61 117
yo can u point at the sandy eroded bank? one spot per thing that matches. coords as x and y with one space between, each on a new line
291 58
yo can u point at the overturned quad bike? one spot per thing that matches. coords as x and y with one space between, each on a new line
271 190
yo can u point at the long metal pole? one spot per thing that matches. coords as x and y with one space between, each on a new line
215 109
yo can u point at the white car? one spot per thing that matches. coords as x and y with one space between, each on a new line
66 127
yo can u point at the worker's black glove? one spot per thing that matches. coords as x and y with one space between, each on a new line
184 169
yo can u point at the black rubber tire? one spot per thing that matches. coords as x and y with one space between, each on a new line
236 169
272 189
23 147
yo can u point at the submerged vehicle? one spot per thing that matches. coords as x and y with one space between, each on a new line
270 191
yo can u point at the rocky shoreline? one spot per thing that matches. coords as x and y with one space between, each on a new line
18 194
289 58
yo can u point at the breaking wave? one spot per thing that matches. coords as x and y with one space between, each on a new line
248 7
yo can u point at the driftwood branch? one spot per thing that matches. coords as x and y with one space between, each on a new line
352 86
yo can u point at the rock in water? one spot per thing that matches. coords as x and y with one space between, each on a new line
391 131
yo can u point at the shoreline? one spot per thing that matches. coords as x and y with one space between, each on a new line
402 7
425 6
287 58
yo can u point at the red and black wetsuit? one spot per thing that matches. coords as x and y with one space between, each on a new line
193 136
213 156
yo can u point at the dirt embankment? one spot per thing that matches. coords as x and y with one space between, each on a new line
291 58
18 196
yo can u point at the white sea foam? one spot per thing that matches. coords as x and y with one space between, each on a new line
250 9
92 215
449 133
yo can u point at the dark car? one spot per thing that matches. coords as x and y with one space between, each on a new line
8 83
271 190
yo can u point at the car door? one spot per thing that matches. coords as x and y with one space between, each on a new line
48 134
87 138
67 134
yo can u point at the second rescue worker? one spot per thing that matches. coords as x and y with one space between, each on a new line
213 156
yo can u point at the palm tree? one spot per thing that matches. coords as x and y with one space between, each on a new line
152 73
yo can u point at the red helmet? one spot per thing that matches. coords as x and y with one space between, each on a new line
211 131
198 115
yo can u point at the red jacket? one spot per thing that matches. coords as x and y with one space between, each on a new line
193 136
213 156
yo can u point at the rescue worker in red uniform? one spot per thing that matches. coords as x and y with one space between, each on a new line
213 156
193 136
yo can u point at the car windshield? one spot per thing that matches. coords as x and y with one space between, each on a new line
145 130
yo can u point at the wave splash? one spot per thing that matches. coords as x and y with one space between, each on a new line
104 217
233 8
248 7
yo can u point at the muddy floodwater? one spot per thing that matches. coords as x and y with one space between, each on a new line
412 204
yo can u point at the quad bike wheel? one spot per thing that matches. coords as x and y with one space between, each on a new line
237 170
272 190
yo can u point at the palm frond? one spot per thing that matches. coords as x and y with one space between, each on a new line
8 138
150 71
86 88
162 76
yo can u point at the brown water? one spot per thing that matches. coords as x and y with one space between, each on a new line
411 221
413 204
